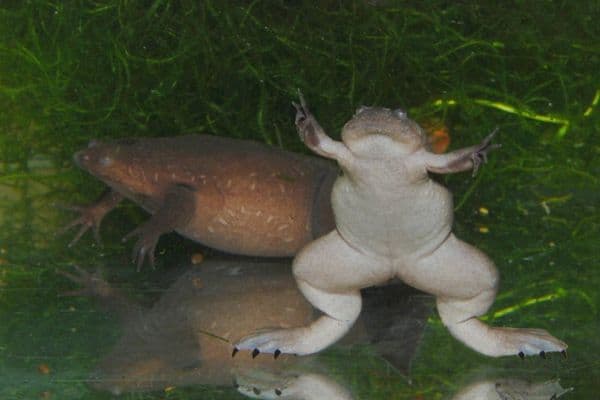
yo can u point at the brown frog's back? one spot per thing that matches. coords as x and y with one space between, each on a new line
249 198
265 201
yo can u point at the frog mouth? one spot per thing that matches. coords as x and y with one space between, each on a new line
94 157
82 157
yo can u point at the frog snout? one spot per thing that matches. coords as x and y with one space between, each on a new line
81 158
89 158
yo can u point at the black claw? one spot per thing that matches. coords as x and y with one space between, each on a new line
564 353
543 354
255 352
276 354
256 391
234 352
278 392
521 355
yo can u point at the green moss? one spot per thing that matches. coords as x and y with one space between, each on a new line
71 71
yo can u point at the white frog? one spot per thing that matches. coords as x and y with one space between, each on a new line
393 221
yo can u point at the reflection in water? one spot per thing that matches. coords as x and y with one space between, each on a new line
314 386
511 389
186 337
306 385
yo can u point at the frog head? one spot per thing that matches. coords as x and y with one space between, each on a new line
375 132
117 163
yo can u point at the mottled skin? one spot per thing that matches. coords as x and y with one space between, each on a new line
233 195
185 337
393 221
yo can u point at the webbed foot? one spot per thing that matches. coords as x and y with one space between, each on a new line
263 385
528 342
91 216
258 384
145 246
92 283
459 316
276 342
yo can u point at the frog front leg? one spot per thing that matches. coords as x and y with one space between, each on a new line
314 137
462 159
329 273
175 212
91 216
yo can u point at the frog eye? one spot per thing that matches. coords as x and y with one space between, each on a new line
361 109
400 113
105 161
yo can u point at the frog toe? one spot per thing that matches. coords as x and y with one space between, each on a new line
276 342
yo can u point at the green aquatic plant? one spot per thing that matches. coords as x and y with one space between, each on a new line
72 71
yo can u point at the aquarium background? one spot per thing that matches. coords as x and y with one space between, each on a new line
73 71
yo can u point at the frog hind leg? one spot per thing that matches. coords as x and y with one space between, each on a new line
467 282
329 274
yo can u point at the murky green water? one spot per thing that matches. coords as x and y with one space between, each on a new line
75 71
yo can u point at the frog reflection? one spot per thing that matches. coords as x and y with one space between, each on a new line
509 388
484 389
185 337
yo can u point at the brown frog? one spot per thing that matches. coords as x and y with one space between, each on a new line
233 195
393 221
